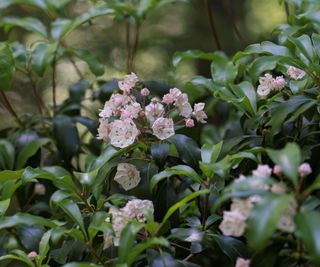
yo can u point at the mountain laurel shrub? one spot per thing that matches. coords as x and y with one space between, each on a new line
157 178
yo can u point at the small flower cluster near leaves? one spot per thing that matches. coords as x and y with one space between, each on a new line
123 120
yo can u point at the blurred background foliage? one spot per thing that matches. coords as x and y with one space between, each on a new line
174 27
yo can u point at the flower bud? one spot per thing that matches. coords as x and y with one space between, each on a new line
32 255
304 169
39 189
145 92
168 99
189 123
277 170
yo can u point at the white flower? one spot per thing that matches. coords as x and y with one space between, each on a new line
122 133
168 99
127 176
163 128
145 92
154 111
233 223
103 130
286 222
136 208
175 93
304 169
295 73
199 113
265 85
114 105
242 262
189 123
262 171
182 103
128 82
132 111
39 189
279 83
243 206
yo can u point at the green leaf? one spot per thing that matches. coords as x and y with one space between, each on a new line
159 153
309 231
18 255
24 219
35 3
98 223
7 155
316 43
9 175
94 64
44 245
73 211
264 218
127 238
210 153
262 64
82 264
191 54
7 67
29 150
288 158
67 136
4 205
185 200
188 149
28 23
176 170
222 70
42 56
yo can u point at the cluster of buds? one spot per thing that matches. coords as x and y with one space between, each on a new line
123 119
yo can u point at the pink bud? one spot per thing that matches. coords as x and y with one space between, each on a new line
145 92
168 99
138 132
142 113
32 255
39 189
189 123
304 169
277 170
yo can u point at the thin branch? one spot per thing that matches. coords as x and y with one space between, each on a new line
212 25
136 44
286 7
54 85
128 46
10 108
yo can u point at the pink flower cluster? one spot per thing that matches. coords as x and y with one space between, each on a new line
123 119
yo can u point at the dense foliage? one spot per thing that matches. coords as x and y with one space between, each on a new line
221 172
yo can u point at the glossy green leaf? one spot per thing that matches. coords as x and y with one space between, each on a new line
264 218
4 205
7 155
44 245
210 153
42 56
7 67
18 255
159 153
288 158
222 70
28 23
35 3
30 150
308 230
191 54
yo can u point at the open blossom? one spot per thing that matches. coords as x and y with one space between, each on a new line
262 171
127 176
128 83
295 73
103 130
131 111
154 111
242 262
243 206
133 210
304 169
286 222
145 92
168 99
265 85
233 223
189 123
163 128
182 103
199 113
114 105
123 133
279 83
175 92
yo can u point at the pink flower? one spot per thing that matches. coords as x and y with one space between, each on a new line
32 255
103 130
123 133
154 111
168 99
175 92
127 176
145 92
125 115
128 83
279 83
189 123
262 171
242 262
199 113
304 169
277 170
233 223
295 73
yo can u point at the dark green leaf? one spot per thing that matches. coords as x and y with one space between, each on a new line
28 23
7 67
42 56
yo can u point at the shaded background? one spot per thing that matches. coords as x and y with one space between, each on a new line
171 28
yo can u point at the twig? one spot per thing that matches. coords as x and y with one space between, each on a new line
128 46
286 7
10 109
54 85
136 44
212 25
